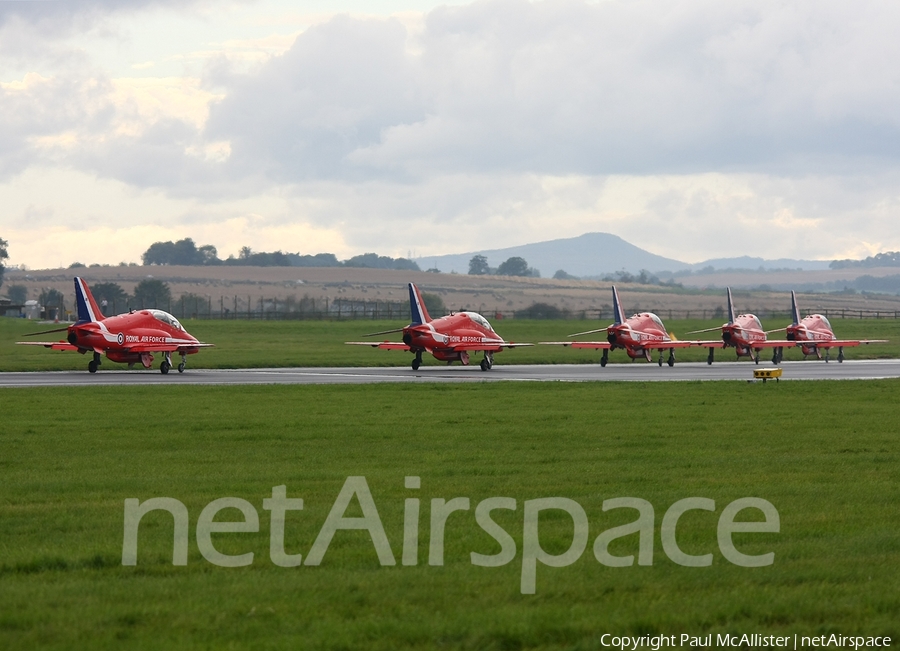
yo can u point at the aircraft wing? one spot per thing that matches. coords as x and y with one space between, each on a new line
165 347
52 345
489 345
605 345
384 345
770 343
843 343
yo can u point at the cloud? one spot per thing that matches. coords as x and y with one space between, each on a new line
569 87
691 128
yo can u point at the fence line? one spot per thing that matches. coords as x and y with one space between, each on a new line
249 308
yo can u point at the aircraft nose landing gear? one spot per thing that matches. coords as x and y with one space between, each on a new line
488 362
417 362
94 364
166 364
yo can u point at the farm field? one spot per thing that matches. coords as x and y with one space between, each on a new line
269 344
826 455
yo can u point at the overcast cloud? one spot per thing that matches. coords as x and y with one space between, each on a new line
694 129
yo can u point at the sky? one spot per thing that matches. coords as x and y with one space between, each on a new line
694 129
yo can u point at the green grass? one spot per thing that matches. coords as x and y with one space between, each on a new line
825 454
249 344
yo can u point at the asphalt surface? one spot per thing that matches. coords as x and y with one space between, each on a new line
628 372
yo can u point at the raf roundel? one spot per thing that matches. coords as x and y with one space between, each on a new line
121 338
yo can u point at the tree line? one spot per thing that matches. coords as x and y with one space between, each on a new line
186 252
514 266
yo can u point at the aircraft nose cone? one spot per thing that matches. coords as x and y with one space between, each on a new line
726 335
407 338
611 337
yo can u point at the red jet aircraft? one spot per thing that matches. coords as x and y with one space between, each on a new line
813 332
126 338
745 334
639 336
449 338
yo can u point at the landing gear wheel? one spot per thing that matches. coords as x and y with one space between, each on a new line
484 364
416 364
660 358
181 367
92 366
164 367
709 359
605 357
840 354
671 360
756 358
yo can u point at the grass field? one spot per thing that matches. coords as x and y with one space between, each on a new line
826 455
248 344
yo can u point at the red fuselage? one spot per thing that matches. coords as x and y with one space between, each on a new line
743 334
439 336
133 337
636 333
814 328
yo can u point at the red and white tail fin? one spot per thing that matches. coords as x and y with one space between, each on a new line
88 310
730 306
418 312
617 307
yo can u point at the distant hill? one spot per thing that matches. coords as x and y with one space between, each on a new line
755 264
596 254
591 254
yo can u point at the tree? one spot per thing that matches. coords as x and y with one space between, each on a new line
478 266
562 275
113 294
375 261
3 256
540 311
53 303
152 293
514 266
182 252
434 304
17 294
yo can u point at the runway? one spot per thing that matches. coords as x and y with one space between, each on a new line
629 372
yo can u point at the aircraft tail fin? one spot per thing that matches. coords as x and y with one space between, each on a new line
617 307
419 313
88 310
730 306
795 311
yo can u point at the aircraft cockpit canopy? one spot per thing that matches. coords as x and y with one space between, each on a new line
166 318
755 321
658 322
480 320
826 322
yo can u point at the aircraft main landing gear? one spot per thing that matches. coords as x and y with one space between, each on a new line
182 364
94 364
166 364
417 362
840 354
671 360
777 355
605 357
712 354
